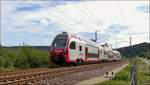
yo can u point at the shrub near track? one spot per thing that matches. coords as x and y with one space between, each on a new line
23 57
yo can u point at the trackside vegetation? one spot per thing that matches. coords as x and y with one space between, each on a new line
23 57
123 77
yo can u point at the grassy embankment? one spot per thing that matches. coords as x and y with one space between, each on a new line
22 58
123 77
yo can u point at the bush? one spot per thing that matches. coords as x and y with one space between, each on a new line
7 58
23 57
123 75
121 78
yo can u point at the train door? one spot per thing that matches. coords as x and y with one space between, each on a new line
72 51
81 52
106 55
102 54
86 53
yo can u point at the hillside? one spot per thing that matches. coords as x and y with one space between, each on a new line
141 50
45 48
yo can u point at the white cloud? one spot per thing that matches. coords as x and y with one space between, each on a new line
71 17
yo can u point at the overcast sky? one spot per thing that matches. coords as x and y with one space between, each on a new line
38 22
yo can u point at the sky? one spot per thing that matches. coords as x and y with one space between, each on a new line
38 22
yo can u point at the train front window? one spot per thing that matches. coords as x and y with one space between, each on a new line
59 43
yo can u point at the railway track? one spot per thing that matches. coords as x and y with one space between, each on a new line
34 75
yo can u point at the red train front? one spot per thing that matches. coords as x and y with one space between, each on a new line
68 48
59 51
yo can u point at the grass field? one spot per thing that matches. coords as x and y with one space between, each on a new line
123 77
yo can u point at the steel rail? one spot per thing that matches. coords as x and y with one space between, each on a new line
49 73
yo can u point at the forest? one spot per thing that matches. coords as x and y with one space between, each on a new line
138 50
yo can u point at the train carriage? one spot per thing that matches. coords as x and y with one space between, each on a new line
102 57
110 55
76 50
117 55
68 48
91 52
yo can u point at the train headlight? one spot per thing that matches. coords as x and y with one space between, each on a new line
57 51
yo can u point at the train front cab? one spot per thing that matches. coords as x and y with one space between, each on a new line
59 51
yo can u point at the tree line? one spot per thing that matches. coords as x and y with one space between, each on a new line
140 50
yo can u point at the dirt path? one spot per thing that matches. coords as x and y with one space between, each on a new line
103 78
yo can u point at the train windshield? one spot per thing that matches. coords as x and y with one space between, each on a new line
60 41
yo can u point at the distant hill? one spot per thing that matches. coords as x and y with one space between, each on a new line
142 49
45 48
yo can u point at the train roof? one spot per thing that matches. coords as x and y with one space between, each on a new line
115 51
84 41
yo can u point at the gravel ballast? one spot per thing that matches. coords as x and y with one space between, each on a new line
73 78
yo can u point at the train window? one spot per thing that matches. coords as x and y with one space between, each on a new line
73 45
80 48
59 43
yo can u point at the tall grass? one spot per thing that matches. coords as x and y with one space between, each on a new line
23 57
122 78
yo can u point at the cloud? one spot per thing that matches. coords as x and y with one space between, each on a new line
21 22
86 35
116 28
27 7
143 8
136 33
31 21
101 37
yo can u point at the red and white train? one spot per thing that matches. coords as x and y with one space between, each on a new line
68 48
